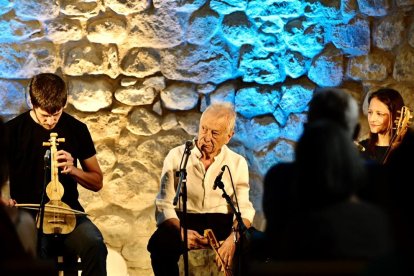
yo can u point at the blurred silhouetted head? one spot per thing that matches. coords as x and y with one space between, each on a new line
335 105
330 168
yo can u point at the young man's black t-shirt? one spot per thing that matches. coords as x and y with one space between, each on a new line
26 156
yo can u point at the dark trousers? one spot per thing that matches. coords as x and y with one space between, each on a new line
166 245
85 241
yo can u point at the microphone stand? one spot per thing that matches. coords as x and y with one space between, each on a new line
43 202
182 190
241 227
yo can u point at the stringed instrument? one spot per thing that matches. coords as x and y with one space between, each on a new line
215 245
401 125
56 221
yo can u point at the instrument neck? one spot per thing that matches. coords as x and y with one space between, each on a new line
54 179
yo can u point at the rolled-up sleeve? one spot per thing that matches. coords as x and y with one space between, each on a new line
164 200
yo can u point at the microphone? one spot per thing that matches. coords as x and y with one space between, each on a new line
218 178
190 144
46 158
359 146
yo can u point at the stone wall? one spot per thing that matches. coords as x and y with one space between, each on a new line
140 72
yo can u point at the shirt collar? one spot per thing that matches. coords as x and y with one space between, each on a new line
218 157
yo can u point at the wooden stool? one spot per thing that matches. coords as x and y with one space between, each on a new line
68 269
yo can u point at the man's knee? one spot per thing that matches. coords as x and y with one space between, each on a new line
165 242
95 247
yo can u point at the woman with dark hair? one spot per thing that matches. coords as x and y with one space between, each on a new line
383 108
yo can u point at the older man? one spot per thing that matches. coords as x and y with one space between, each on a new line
206 208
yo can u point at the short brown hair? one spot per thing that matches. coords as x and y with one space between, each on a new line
48 92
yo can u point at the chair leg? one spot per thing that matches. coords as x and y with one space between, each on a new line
65 269
60 265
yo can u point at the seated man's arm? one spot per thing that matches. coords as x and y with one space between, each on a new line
166 215
247 211
90 176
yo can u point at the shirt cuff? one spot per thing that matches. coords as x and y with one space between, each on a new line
164 215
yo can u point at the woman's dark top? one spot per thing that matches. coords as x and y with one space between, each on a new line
376 189
377 155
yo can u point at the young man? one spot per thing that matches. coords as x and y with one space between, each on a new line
205 205
27 132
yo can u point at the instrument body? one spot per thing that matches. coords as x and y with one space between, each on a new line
55 220
215 245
